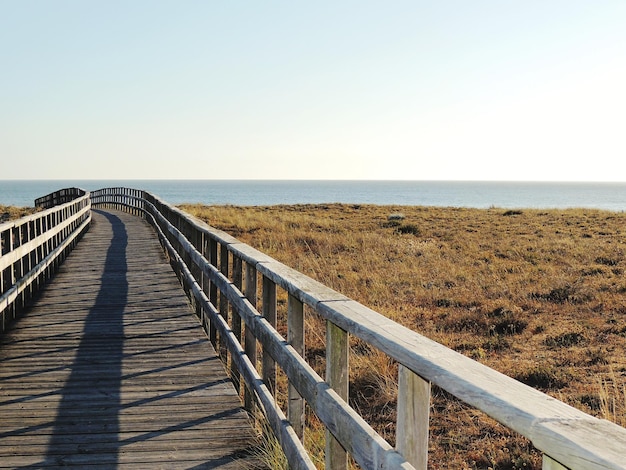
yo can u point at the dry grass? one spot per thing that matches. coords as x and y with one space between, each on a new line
536 294
11 212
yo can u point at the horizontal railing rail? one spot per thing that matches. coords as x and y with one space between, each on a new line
33 247
59 197
222 277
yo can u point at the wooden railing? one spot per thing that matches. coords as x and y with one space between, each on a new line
222 276
32 248
234 289
59 197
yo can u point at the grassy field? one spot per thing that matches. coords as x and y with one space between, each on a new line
539 295
11 212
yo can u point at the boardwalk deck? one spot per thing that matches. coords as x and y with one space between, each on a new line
109 369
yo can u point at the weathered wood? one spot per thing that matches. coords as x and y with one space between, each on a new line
565 434
269 313
554 427
113 369
224 268
367 447
293 448
250 340
337 376
213 290
31 250
236 320
295 336
413 415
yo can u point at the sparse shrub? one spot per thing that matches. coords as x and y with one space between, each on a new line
512 212
268 452
592 272
567 293
613 399
409 228
597 356
472 322
496 344
391 224
505 322
396 216
591 401
445 303
543 376
446 283
511 326
559 295
564 340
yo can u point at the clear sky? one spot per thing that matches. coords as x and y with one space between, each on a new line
231 89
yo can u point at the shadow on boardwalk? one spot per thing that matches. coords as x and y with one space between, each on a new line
96 375
110 369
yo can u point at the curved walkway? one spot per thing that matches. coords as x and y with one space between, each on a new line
110 369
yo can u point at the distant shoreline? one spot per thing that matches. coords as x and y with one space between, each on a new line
476 194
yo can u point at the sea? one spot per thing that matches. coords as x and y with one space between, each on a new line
476 194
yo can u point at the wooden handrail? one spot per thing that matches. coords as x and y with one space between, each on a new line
59 197
567 437
33 247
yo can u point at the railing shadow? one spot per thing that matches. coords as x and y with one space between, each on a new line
93 387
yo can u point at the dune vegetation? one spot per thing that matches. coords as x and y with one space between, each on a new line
539 295
12 212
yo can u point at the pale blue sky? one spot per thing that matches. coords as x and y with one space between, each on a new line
441 89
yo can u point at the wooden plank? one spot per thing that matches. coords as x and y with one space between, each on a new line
250 340
368 448
337 376
269 313
25 248
236 321
295 336
224 268
110 367
553 427
413 417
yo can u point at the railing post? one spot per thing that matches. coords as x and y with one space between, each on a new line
236 321
223 349
295 336
250 342
413 417
213 290
206 284
269 313
198 274
337 376
12 274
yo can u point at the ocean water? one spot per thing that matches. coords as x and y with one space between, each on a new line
609 196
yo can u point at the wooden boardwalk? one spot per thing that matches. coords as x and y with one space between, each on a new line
110 369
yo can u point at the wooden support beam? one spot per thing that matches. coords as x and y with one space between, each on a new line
337 376
250 341
269 313
413 417
295 336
